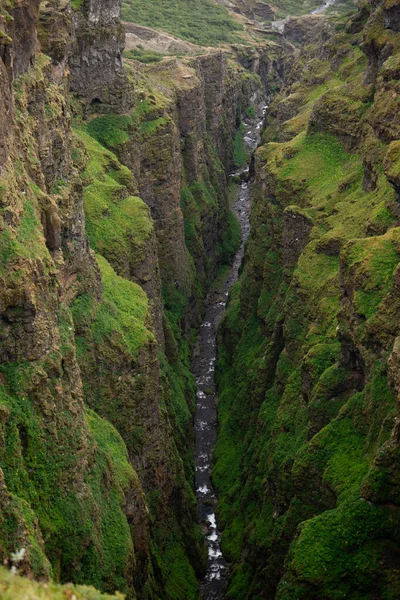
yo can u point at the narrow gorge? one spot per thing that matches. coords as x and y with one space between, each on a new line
203 367
199 300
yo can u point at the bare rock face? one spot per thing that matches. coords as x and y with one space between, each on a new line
391 15
295 236
5 112
157 164
391 163
55 31
304 29
52 228
18 46
219 102
23 31
97 72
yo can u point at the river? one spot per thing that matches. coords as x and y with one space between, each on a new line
279 25
203 367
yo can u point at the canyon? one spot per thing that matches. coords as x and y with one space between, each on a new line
138 367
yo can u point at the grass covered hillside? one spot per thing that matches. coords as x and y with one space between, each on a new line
283 8
202 22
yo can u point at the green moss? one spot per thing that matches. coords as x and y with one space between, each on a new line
90 526
110 130
26 242
9 248
144 56
118 224
230 241
251 112
321 160
150 127
240 153
300 425
76 4
342 541
171 562
374 262
124 311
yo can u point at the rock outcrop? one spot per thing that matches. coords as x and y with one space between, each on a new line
97 71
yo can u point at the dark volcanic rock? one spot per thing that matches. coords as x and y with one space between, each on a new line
97 71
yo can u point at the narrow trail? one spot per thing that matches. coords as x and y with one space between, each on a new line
203 367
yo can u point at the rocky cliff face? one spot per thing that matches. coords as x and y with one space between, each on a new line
108 232
97 71
60 478
114 220
308 349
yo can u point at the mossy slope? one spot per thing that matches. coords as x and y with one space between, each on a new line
307 406
68 491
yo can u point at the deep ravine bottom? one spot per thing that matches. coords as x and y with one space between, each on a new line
203 368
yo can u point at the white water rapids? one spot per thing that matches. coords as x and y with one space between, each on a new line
203 367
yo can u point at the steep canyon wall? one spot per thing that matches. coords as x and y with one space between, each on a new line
114 220
307 460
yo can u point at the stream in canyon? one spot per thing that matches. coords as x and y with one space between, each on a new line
203 367
279 25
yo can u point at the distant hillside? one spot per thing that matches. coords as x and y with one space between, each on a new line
202 22
283 8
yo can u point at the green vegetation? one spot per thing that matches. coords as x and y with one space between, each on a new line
230 240
144 56
240 153
116 349
35 464
76 4
305 405
202 22
110 130
65 472
27 242
113 131
124 311
251 112
67 475
12 587
118 223
170 558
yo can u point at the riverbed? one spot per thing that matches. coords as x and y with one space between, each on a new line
203 367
